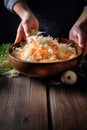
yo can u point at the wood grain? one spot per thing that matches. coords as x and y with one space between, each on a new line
68 109
23 104
31 104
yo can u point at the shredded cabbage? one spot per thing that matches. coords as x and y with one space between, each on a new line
39 48
11 73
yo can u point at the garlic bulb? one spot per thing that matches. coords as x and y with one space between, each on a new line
69 77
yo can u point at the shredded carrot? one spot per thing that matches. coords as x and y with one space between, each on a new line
45 49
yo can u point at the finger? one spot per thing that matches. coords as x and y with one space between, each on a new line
29 27
81 40
20 35
85 49
18 38
73 37
26 30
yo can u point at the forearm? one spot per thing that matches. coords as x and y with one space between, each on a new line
82 20
22 9
10 3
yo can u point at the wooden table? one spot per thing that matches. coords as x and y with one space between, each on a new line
35 104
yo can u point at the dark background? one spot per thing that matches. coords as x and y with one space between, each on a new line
8 24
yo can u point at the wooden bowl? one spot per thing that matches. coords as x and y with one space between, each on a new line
43 70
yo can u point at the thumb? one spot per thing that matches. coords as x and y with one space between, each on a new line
26 31
81 41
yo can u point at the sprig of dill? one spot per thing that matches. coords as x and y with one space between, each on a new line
5 66
4 62
4 50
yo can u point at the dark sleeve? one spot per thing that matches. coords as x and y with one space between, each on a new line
10 3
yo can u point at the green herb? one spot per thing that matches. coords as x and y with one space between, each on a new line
5 66
4 62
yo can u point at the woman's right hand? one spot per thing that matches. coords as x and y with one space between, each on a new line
29 22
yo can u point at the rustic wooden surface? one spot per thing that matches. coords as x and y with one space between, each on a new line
23 104
68 109
31 104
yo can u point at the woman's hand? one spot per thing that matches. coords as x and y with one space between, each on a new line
29 22
78 32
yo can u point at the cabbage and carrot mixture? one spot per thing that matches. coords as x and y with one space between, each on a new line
44 49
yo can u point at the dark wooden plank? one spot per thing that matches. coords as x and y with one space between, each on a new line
68 109
23 104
